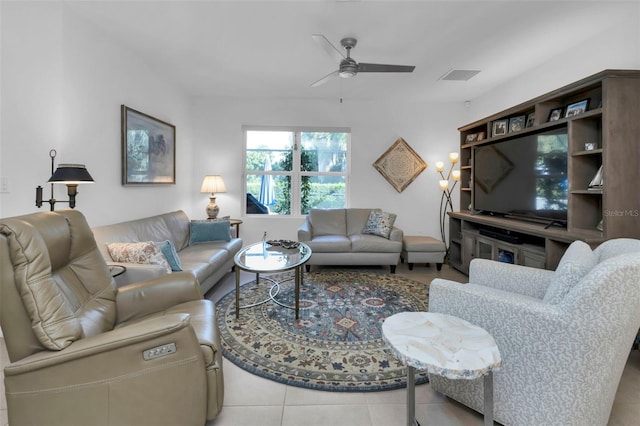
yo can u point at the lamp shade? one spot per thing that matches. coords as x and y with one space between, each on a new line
71 174
213 184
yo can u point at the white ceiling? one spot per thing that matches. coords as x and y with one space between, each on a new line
265 49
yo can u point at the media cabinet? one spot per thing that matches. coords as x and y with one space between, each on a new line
605 136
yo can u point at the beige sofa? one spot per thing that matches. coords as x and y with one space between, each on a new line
336 238
208 261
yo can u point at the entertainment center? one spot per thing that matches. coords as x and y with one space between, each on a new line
564 166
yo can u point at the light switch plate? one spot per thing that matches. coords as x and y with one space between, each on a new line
4 184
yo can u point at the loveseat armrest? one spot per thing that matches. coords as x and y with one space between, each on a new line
305 231
396 234
156 295
137 272
508 277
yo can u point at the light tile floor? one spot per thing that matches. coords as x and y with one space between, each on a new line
253 401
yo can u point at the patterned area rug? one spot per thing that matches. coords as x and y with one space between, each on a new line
336 345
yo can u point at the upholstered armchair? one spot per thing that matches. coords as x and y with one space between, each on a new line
564 335
85 353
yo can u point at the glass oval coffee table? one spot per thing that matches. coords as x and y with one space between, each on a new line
265 258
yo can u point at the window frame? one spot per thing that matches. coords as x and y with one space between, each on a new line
296 173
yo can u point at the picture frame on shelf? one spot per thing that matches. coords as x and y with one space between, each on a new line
148 149
471 137
577 108
531 119
517 123
500 127
555 114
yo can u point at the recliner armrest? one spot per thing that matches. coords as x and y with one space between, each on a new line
151 296
101 343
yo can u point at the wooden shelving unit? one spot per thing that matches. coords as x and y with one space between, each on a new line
611 123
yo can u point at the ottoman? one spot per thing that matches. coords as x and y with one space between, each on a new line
421 249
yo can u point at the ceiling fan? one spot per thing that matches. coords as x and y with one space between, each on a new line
348 66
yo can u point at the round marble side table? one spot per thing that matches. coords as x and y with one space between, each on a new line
443 345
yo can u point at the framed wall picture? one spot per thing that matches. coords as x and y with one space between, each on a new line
400 165
500 127
555 114
577 108
516 123
148 149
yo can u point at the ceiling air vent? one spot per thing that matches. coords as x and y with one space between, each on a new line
459 75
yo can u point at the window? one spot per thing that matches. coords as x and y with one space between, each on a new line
289 171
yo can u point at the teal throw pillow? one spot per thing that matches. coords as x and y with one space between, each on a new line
169 251
202 231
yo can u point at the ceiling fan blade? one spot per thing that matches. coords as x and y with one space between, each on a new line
326 78
328 47
364 67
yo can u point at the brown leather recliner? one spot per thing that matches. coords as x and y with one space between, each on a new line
85 353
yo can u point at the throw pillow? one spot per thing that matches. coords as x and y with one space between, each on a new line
169 251
202 231
576 262
143 252
379 223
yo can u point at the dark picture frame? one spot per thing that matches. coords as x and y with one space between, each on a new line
577 108
148 149
516 123
531 119
500 127
555 114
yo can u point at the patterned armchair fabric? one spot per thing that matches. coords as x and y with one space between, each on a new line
562 361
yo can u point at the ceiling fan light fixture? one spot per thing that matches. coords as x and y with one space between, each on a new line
347 73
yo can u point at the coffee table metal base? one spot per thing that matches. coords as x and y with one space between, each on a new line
273 291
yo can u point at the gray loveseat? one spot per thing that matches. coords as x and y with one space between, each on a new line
207 261
336 238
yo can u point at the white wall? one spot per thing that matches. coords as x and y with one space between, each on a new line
429 129
617 46
62 87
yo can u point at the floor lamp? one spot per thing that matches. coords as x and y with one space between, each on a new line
446 205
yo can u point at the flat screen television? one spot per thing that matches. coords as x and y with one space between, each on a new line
524 176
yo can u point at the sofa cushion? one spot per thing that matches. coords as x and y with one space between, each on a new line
576 262
169 251
328 221
142 252
367 243
204 259
379 223
330 244
203 231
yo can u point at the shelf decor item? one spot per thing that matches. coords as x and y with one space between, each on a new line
516 123
400 165
500 127
577 108
555 114
148 149
531 119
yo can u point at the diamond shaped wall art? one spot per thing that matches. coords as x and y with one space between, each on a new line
400 165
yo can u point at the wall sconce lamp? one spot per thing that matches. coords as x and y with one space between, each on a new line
213 184
71 175
445 201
